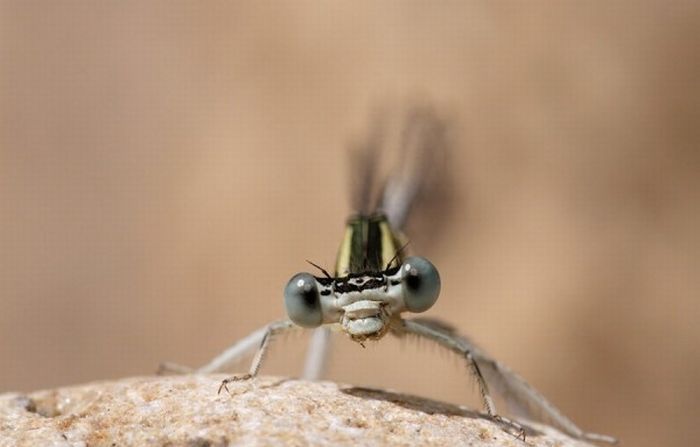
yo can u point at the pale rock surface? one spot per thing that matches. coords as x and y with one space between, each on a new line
187 411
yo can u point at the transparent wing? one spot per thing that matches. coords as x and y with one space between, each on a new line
418 145
364 164
420 169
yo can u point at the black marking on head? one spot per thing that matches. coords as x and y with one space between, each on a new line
357 282
344 286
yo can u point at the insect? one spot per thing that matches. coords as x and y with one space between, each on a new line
375 284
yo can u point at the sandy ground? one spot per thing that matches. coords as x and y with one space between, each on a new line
187 411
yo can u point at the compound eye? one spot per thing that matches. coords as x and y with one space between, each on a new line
421 283
302 301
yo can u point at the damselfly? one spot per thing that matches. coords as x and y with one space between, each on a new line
374 283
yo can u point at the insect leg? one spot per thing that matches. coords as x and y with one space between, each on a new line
317 354
223 361
268 333
455 344
522 399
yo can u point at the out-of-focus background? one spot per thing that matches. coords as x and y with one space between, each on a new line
165 167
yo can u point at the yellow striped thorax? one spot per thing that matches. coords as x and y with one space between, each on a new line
369 245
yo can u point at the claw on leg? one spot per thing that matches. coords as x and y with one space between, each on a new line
238 378
511 426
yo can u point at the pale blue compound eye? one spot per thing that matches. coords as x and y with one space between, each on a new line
302 300
421 283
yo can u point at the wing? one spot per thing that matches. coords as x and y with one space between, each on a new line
418 145
420 171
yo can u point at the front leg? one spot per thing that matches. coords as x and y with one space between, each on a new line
222 362
457 345
521 398
268 334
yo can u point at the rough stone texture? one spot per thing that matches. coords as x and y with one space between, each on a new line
186 411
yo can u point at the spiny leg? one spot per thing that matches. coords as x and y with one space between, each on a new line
454 344
271 331
522 399
223 361
235 352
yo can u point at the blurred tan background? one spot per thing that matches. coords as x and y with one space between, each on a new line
165 167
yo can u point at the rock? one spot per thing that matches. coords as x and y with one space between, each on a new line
187 411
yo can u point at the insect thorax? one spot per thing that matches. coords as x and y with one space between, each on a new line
369 245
